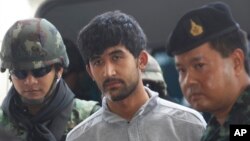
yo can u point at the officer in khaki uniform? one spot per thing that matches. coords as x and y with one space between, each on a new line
39 105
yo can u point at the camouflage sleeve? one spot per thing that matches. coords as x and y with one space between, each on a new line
3 119
81 110
95 108
8 126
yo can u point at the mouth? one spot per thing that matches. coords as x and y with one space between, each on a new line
31 91
32 94
194 97
112 85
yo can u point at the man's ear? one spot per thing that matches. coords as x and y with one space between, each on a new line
238 60
143 60
89 72
60 72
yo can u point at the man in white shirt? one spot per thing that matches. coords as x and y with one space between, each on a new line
113 48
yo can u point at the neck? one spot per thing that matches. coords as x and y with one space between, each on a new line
129 106
222 115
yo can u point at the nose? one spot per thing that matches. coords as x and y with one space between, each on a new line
30 79
109 69
189 78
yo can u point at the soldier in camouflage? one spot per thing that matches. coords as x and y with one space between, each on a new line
39 105
152 77
210 51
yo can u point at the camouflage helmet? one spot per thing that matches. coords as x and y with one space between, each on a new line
153 70
152 77
31 44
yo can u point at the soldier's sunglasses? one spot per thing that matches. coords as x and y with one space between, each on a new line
22 74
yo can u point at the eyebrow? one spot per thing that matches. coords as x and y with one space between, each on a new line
194 59
118 51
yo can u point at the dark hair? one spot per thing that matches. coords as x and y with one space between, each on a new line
227 43
57 67
110 29
76 63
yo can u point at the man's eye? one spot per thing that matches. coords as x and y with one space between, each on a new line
199 66
96 62
180 70
116 57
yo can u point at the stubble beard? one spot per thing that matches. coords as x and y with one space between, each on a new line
121 94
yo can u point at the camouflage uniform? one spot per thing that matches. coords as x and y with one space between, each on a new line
152 77
33 44
81 110
239 114
153 71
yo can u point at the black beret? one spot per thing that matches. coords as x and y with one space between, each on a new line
199 26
